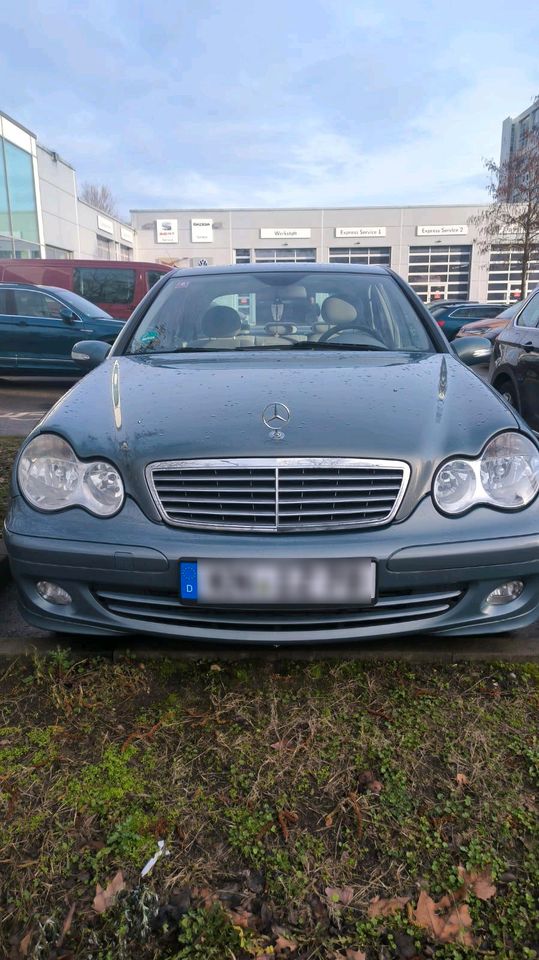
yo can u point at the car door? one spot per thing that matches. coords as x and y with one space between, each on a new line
47 329
7 331
526 334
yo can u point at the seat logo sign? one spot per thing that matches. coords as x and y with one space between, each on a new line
275 416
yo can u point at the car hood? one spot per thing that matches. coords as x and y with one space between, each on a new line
416 408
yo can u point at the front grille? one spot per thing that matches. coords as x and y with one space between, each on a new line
279 494
147 607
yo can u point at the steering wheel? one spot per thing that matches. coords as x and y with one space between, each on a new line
347 325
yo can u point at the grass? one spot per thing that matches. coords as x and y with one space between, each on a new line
8 449
289 796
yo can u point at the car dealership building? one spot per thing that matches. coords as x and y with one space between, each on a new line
436 248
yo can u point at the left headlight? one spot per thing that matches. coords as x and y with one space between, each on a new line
506 475
51 477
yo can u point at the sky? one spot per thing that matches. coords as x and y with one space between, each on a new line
271 103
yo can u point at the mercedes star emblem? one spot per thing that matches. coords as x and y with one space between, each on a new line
275 415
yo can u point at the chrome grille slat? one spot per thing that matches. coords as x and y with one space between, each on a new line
278 494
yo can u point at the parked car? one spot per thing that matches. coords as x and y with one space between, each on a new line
514 365
206 483
491 327
439 306
116 286
451 319
40 325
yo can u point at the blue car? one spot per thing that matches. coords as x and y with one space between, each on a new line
223 475
39 327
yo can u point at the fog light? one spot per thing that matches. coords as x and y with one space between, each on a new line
505 593
53 593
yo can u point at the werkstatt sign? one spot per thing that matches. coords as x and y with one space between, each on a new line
201 231
104 224
443 230
285 233
347 232
167 231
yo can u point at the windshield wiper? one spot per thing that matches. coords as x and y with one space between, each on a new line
329 345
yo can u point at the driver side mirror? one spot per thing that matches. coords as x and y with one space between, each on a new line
90 353
67 315
472 350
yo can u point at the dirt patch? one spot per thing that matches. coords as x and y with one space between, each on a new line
8 450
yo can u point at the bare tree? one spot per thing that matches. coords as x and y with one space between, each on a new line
99 196
513 215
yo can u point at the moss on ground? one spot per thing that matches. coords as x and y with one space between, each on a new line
289 796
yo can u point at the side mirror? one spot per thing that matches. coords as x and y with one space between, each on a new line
472 350
90 353
68 315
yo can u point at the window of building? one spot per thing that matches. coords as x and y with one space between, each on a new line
104 285
440 272
505 273
21 193
242 256
286 255
126 253
57 253
104 248
369 255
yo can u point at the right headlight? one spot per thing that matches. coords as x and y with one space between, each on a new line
505 475
51 477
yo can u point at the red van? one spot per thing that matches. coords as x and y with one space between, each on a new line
115 285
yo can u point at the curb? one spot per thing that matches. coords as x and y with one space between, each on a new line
5 572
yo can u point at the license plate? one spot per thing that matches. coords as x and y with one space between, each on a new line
229 582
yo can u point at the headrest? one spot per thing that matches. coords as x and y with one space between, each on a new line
221 321
280 329
335 310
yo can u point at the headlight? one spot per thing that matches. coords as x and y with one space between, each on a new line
505 475
51 477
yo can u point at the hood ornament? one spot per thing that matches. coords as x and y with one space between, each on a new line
275 416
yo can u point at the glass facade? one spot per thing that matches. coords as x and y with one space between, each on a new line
505 270
369 255
19 232
440 272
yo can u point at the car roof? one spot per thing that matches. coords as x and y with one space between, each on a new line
281 268
40 287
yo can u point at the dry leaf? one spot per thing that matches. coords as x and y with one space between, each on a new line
105 898
461 779
479 882
281 745
445 920
240 918
341 895
67 925
283 943
379 907
355 954
25 944
367 781
329 820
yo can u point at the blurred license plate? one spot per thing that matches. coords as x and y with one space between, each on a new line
278 581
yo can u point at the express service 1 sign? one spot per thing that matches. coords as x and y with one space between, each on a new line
350 232
167 231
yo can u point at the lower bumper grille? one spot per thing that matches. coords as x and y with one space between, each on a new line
158 608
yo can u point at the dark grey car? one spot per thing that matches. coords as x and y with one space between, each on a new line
281 474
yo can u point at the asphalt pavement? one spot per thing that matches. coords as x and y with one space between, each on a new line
23 404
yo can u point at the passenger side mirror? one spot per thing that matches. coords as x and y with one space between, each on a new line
68 315
472 350
90 353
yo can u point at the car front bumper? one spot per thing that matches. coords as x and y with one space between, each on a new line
433 573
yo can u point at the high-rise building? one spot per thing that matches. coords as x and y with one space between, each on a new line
514 130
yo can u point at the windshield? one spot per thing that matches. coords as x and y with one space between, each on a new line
261 311
80 304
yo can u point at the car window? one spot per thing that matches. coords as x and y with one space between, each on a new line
461 313
31 303
5 306
104 284
233 311
152 276
530 314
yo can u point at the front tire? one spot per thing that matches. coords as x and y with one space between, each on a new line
506 389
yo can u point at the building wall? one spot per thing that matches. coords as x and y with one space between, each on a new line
325 231
514 130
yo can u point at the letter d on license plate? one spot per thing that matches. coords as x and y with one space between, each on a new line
287 581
